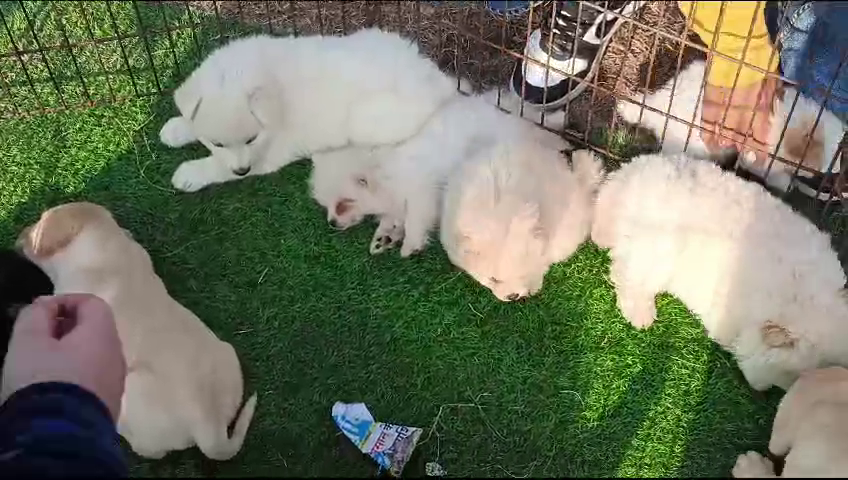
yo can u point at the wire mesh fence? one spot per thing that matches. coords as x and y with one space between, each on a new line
56 56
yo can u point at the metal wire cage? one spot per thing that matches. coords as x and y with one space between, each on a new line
56 56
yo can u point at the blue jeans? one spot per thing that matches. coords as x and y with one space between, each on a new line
812 38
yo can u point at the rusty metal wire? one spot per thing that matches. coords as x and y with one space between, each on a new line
59 56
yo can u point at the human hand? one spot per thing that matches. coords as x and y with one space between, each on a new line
748 115
67 338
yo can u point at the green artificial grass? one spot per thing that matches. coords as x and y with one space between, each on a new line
558 386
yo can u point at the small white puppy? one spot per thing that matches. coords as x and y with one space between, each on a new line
183 386
686 105
261 102
765 281
402 184
516 208
810 430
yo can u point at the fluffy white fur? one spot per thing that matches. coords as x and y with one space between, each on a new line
513 210
183 386
402 184
810 430
686 105
765 281
261 102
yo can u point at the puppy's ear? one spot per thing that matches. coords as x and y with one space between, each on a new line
188 101
803 145
777 336
466 244
264 103
57 228
529 220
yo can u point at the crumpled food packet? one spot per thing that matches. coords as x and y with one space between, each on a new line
388 444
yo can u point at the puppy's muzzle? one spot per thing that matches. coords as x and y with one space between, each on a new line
242 171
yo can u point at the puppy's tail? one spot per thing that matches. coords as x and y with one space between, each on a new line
217 445
511 102
588 168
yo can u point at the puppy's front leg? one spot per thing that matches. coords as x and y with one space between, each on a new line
753 465
636 302
389 233
421 215
194 175
177 133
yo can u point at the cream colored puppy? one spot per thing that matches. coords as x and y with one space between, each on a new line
184 386
765 281
810 430
513 210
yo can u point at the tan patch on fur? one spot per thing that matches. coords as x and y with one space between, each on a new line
58 226
796 141
776 336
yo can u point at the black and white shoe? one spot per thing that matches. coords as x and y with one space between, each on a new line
576 46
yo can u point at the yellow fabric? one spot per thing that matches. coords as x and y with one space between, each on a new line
733 31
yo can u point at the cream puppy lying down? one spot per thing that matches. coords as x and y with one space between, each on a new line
810 430
765 281
402 184
259 103
823 143
513 210
184 386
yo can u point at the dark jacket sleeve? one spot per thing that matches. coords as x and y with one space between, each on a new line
58 429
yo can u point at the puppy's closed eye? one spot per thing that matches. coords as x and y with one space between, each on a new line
362 181
494 280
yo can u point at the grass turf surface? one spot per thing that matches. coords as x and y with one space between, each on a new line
558 386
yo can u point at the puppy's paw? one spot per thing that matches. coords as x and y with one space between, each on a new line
411 248
640 312
753 465
193 175
389 233
176 133
384 242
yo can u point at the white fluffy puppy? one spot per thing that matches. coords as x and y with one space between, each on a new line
810 430
686 105
765 282
402 184
516 208
183 386
261 102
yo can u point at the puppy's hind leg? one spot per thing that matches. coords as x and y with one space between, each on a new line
177 133
389 233
422 208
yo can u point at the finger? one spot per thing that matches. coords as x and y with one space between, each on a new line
39 319
93 321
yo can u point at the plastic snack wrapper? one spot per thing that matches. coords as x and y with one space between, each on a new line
388 444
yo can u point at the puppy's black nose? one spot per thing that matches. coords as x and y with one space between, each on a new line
334 223
242 171
513 297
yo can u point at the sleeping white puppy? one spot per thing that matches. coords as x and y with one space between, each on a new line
810 430
764 281
261 102
514 209
183 385
686 105
402 184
